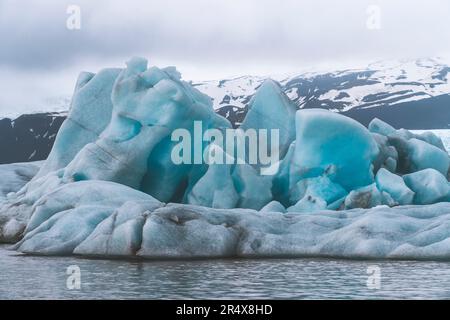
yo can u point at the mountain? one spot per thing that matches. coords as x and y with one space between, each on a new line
30 137
413 94
383 89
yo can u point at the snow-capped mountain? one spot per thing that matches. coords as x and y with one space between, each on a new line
381 84
413 94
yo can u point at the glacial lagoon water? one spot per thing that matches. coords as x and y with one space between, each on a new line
32 277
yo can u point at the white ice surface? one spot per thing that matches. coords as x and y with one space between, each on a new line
15 176
138 225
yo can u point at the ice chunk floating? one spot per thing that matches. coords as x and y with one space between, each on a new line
150 229
110 186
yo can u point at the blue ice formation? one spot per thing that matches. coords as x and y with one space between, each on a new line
15 176
328 141
394 186
269 109
89 115
429 186
110 186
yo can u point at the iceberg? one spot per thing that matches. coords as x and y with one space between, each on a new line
14 176
387 157
135 147
316 194
270 108
215 189
425 155
90 113
395 186
368 197
273 206
111 187
429 186
379 127
138 225
329 140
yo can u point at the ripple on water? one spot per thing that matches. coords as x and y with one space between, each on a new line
25 277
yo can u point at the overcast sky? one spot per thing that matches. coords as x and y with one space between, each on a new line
207 39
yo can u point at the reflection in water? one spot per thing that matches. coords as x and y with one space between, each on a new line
26 277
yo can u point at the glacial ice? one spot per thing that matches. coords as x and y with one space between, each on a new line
368 197
332 144
379 127
135 147
153 230
388 155
425 155
110 187
314 194
273 206
394 186
269 109
215 189
90 113
14 176
429 186
82 204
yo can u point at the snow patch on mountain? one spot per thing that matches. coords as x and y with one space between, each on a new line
381 83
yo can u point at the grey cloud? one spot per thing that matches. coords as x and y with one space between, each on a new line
206 38
221 31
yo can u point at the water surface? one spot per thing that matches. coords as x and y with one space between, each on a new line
27 277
